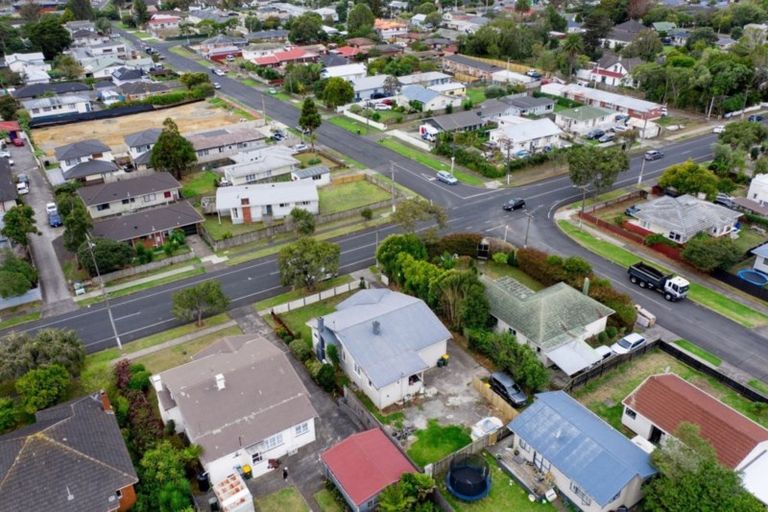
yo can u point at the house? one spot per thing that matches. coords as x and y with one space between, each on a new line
761 258
245 204
49 89
516 134
262 409
623 34
510 77
363 465
88 160
682 218
334 58
385 340
149 227
349 72
124 75
554 322
109 48
467 69
362 43
758 189
390 29
661 403
582 120
427 100
418 21
679 36
220 41
31 66
139 146
524 105
162 25
209 13
388 50
370 87
450 89
130 194
614 70
283 58
8 193
464 121
426 79
227 141
664 27
85 38
56 106
268 35
320 175
591 464
72 459
260 165
634 107
136 91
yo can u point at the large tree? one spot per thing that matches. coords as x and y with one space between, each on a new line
140 12
307 28
77 223
194 302
360 20
163 484
8 107
17 276
646 45
393 246
461 299
110 255
48 36
572 47
743 134
690 178
21 352
172 152
67 67
42 387
414 210
81 9
19 222
310 119
337 91
596 167
307 261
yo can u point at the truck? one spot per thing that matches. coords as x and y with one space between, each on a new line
673 287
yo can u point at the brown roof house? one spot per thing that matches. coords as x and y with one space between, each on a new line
240 400
150 227
129 195
72 459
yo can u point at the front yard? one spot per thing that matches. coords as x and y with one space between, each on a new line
352 125
432 161
437 441
296 320
347 196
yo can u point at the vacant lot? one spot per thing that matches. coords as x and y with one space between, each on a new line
346 196
189 118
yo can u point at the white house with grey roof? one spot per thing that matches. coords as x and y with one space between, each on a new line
87 160
385 340
130 194
514 134
425 79
139 145
320 175
524 105
227 141
241 401
583 119
682 218
427 99
554 322
368 87
260 165
55 106
244 204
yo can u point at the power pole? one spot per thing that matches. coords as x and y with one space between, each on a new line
392 178
103 292
527 227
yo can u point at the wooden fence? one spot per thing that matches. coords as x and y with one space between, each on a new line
607 365
153 265
504 410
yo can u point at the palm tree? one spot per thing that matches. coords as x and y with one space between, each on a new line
572 47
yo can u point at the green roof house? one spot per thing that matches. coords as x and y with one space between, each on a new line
664 26
583 119
555 322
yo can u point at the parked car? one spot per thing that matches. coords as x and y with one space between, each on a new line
508 389
54 219
51 208
446 177
628 343
533 74
756 118
18 142
718 129
22 189
272 90
621 128
725 200
653 155
219 72
608 137
382 106
78 287
631 211
624 118
22 178
216 85
5 154
514 204
595 134
300 147
521 153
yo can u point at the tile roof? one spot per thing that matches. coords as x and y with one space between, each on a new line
685 215
73 459
668 400
365 463
80 149
142 138
129 187
90 168
588 451
143 223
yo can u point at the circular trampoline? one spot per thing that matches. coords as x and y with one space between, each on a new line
753 276
469 478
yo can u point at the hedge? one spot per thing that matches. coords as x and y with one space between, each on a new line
462 244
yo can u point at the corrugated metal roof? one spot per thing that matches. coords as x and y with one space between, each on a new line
685 215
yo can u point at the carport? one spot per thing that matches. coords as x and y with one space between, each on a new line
574 357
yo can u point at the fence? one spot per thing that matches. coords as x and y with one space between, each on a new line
364 120
91 116
507 412
739 283
132 271
32 295
413 141
311 299
613 228
441 467
608 364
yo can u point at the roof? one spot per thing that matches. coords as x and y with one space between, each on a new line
225 136
35 90
525 102
263 395
493 107
405 326
309 172
90 168
548 318
125 188
418 93
610 58
467 61
54 101
382 24
369 82
80 149
7 186
585 113
267 34
528 130
266 193
10 126
668 400
510 76
365 463
330 60
447 86
285 56
146 222
761 251
346 51
750 205
664 26
344 70
588 451
260 160
420 78
222 39
124 73
142 138
147 87
685 215
626 31
600 95
74 449
457 121
573 357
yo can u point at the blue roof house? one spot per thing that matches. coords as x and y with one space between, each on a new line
428 99
385 340
591 464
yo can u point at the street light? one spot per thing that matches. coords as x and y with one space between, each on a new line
642 168
103 291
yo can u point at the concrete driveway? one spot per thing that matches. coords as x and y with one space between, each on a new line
56 296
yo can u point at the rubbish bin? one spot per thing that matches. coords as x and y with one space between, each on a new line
202 482
247 472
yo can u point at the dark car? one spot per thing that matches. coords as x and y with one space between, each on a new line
653 155
508 389
595 134
756 118
54 220
631 211
514 204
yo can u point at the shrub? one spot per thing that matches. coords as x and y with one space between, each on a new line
462 244
355 109
658 239
707 253
313 367
500 257
121 406
170 428
139 380
537 264
122 373
300 350
326 377
366 213
332 352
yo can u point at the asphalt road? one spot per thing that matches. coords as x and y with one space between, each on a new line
469 209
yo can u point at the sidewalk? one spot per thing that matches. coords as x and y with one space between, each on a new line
129 284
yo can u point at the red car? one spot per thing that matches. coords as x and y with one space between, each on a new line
18 142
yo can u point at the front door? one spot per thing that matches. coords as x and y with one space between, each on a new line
538 460
655 435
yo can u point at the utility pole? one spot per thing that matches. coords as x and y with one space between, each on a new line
103 291
642 168
506 228
392 177
508 143
453 158
583 200
527 227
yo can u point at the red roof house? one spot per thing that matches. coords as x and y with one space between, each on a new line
347 51
286 57
363 465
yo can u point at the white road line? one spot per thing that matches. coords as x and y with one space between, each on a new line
127 316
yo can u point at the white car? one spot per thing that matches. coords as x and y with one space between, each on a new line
628 343
51 208
216 85
300 147
718 129
219 72
382 106
22 189
5 154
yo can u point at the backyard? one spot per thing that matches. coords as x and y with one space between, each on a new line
284 500
326 500
437 441
198 184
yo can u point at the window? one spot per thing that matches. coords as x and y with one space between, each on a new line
512 331
256 457
273 442
674 236
317 177
585 500
102 207
283 205
629 412
357 369
302 429
524 446
149 197
129 200
119 493
167 194
250 178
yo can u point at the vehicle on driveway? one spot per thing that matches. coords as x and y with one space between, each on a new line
22 189
382 106
533 74
756 118
608 137
300 147
628 343
595 134
54 219
653 154
718 129
506 387
673 287
631 211
724 199
51 208
18 142
446 178
22 178
514 204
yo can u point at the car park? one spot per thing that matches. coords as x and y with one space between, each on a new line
447 177
54 219
718 129
514 204
51 208
653 155
628 343
506 387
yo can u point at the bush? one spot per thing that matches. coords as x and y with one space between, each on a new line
494 91
333 354
326 377
462 244
515 358
139 380
707 253
468 158
500 257
42 388
536 264
658 239
300 350
355 109
366 213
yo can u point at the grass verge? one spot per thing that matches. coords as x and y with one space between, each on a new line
183 52
327 502
436 441
352 125
699 352
21 319
143 286
284 500
431 161
759 386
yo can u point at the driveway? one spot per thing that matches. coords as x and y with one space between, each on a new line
56 297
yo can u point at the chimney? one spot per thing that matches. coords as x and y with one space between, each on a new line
105 404
220 384
157 383
376 327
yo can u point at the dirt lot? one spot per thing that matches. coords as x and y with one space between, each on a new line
190 117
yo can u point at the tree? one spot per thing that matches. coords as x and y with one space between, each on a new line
522 6
48 36
360 21
307 261
434 19
707 253
596 167
172 152
42 387
7 414
77 223
461 299
394 245
30 12
8 107
690 178
110 255
140 13
19 222
163 484
691 478
342 9
81 9
572 47
307 28
337 91
303 221
391 84
310 119
190 80
743 134
21 352
646 45
411 211
13 284
196 301
103 25
410 494
67 67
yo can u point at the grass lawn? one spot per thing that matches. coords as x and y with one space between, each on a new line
476 95
305 158
296 320
231 107
327 502
283 97
199 184
16 320
284 500
395 418
431 161
506 494
699 352
759 386
183 52
338 198
225 228
352 125
496 270
180 354
437 441
604 395
702 295
749 239
297 294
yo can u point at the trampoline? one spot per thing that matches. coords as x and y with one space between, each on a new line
469 478
753 276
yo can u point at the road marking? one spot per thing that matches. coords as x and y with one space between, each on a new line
127 316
